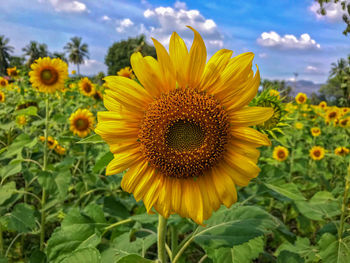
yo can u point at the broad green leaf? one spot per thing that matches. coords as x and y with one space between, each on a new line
6 191
114 207
92 139
37 257
289 257
30 111
134 259
301 247
86 255
333 251
102 162
12 168
289 190
22 219
22 140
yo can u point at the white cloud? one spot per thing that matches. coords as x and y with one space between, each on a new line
311 69
262 55
334 12
168 19
180 5
123 24
90 67
106 18
69 6
273 39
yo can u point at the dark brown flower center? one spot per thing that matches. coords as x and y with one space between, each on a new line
3 83
81 124
317 153
301 99
281 154
332 115
184 133
87 87
49 76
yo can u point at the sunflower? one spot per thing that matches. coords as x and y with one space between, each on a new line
126 72
73 72
184 135
51 142
2 96
298 125
98 95
344 122
60 150
86 87
322 105
48 75
12 72
341 151
3 82
21 120
315 131
280 153
301 98
332 115
81 122
317 153
275 93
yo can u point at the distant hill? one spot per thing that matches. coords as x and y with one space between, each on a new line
304 86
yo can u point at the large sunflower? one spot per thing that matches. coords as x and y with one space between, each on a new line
48 75
184 135
81 122
86 87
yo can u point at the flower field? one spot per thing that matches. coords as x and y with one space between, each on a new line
58 132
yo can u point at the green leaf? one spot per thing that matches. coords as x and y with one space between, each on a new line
289 257
37 257
301 247
134 259
92 139
86 255
333 251
289 190
6 191
22 140
30 111
321 206
12 168
102 162
235 226
22 219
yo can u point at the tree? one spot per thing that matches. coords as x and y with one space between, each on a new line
60 55
77 51
5 56
119 53
35 50
338 68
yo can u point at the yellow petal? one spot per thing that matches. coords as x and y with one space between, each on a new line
132 177
122 161
249 116
250 135
237 177
224 186
179 56
163 204
242 163
196 61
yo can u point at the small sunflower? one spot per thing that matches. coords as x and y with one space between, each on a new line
73 72
341 151
2 96
301 98
98 95
12 72
60 150
21 120
298 125
184 135
81 122
315 131
86 87
51 142
344 122
275 93
48 75
322 105
3 82
332 115
280 153
126 72
317 153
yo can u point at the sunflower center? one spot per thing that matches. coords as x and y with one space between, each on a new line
344 122
81 124
87 87
3 83
281 154
332 115
184 133
301 99
49 76
317 153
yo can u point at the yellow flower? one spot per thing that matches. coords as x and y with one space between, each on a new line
74 72
301 98
332 114
344 122
317 153
42 138
184 135
274 92
60 150
2 96
21 120
12 72
280 153
86 87
126 72
51 142
323 105
315 131
299 125
341 151
81 122
98 95
48 75
3 82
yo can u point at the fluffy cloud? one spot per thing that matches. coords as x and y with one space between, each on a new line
106 18
262 55
90 67
311 69
169 19
124 24
334 12
273 39
67 6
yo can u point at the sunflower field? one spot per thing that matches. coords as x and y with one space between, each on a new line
201 165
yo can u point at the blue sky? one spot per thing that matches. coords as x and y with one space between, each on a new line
286 36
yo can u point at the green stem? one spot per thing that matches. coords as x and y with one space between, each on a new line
343 207
161 238
1 242
184 245
116 224
174 238
84 158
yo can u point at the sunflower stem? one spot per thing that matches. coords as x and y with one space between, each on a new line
84 158
43 194
161 238
343 207
174 238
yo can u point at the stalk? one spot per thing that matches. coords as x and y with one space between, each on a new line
161 239
343 207
1 242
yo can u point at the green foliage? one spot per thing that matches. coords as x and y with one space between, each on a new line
118 55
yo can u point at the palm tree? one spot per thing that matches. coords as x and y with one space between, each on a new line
35 50
339 67
60 55
5 51
77 51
